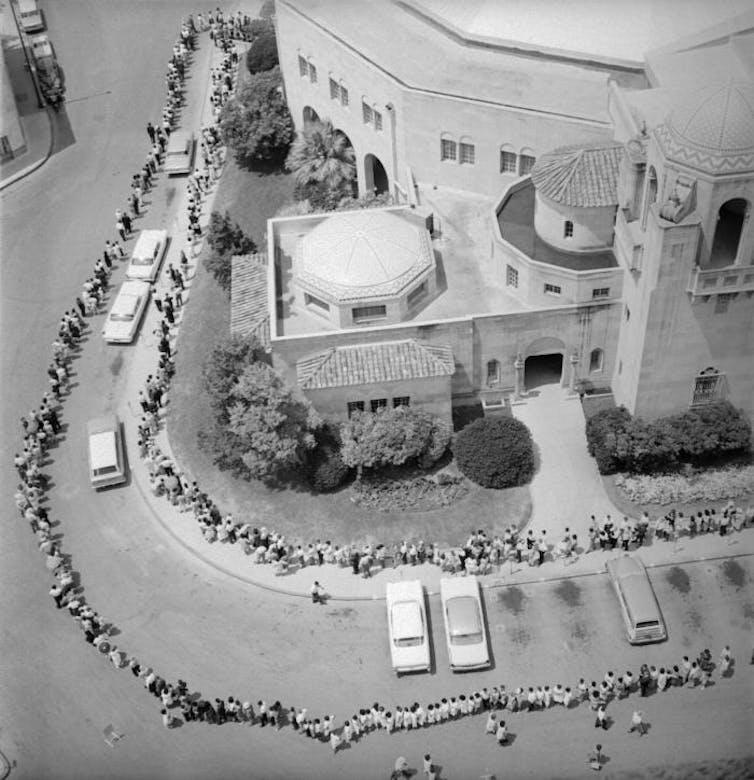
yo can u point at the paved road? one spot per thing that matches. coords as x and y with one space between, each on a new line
189 621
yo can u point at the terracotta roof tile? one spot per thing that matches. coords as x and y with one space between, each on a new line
363 364
581 176
249 314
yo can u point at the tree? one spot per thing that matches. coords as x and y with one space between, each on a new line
274 426
495 452
263 51
391 437
224 365
325 469
256 124
225 239
322 154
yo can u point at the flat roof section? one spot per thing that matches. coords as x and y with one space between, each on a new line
469 279
516 220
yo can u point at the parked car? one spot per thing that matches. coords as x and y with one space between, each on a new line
638 603
179 157
147 256
30 16
465 634
126 312
107 463
407 625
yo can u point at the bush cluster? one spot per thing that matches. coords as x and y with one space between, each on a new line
325 469
495 452
225 239
620 442
263 51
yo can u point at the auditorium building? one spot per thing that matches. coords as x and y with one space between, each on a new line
573 204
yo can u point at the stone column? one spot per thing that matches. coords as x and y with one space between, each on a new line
574 361
518 364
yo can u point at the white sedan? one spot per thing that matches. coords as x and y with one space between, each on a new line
407 624
147 256
126 312
464 624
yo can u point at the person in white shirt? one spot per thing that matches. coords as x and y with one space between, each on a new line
491 727
502 733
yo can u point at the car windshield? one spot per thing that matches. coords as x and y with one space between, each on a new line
409 641
142 261
105 470
122 317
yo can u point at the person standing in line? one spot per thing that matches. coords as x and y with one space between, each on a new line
121 228
150 131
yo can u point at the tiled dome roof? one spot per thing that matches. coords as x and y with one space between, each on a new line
363 254
713 130
581 175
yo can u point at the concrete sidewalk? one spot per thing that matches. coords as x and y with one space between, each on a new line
566 489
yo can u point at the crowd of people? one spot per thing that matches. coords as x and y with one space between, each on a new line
42 429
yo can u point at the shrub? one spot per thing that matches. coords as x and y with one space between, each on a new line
619 442
602 432
495 452
225 239
263 51
325 469
225 364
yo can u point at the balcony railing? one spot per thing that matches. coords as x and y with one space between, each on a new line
733 279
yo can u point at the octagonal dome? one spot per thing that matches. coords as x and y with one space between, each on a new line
712 130
364 254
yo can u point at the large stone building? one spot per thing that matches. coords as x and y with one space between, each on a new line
572 201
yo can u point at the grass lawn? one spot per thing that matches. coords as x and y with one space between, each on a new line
251 198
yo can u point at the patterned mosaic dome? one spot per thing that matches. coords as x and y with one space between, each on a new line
363 254
713 130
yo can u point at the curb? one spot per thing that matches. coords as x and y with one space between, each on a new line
22 174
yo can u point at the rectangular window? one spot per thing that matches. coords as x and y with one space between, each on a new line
447 149
707 388
355 406
334 89
525 164
568 229
552 289
493 372
511 276
507 162
378 403
601 292
467 154
310 300
364 313
312 73
628 314
377 120
367 113
303 67
417 294
343 96
401 400
722 301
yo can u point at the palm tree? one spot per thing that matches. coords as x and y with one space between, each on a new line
322 154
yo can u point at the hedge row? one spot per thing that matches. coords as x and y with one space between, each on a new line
620 442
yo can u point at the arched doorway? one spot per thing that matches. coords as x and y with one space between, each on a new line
376 176
730 222
544 363
310 115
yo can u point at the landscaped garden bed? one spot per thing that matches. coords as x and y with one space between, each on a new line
409 490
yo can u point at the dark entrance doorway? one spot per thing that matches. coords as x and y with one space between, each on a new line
543 370
730 222
376 176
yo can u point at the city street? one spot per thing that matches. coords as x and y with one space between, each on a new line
189 620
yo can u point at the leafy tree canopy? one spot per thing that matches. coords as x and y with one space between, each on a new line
322 154
225 238
263 51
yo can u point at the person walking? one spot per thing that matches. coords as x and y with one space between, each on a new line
150 131
428 768
317 593
401 768
637 723
594 759
725 661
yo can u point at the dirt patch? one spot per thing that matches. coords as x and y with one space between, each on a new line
735 574
520 636
678 579
117 364
694 620
569 593
343 612
513 599
580 632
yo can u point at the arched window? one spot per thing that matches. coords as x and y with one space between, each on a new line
568 229
508 159
596 359
651 195
448 148
730 223
526 160
493 372
466 151
310 115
